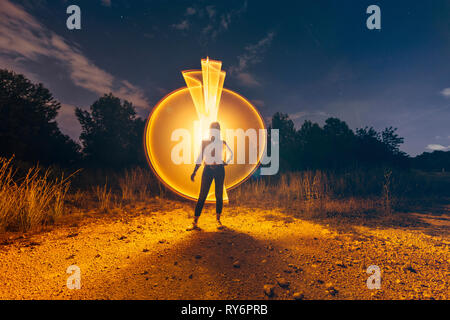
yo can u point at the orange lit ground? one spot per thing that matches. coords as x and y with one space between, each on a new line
144 253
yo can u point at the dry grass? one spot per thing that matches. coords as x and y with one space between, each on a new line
38 198
32 200
318 194
130 186
135 184
104 198
364 194
79 199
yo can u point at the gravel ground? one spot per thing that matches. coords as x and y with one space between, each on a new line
144 252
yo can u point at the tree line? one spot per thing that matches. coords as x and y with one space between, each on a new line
335 146
112 135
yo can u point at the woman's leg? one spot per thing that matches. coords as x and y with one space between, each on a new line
219 178
204 189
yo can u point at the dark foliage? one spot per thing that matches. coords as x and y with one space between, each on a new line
111 133
28 128
433 161
336 146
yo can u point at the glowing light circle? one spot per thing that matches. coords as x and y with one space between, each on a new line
177 111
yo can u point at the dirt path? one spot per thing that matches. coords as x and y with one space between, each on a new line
147 254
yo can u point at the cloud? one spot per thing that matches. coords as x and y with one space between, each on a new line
446 92
23 39
67 121
182 26
302 114
441 137
258 103
106 3
211 11
437 147
223 21
247 79
253 54
228 17
190 11
209 20
298 115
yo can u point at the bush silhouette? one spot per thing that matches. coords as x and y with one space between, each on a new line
111 133
28 128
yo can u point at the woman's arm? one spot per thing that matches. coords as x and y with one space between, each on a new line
195 171
198 163
231 153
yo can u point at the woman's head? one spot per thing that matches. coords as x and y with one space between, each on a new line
214 130
215 125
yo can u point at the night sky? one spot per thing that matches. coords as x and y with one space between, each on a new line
310 59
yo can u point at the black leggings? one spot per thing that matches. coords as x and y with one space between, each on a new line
210 172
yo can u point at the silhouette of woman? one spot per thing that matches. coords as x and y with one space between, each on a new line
212 155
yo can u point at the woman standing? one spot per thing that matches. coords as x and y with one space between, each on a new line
212 155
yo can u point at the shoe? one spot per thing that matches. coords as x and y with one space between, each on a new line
219 225
192 227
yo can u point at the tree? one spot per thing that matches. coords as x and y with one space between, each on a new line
433 161
111 133
335 145
392 140
311 146
340 143
370 147
28 128
287 134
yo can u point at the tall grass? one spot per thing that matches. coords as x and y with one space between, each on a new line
304 192
33 197
104 198
351 193
107 190
32 200
135 184
387 196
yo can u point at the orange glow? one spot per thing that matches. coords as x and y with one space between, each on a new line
205 100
